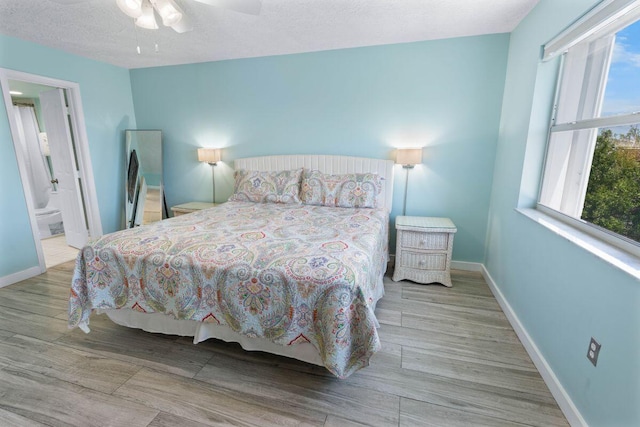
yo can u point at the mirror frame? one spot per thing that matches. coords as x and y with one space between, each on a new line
135 185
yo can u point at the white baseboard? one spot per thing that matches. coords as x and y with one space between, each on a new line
20 275
565 403
466 266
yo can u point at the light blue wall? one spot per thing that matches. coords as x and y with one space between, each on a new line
108 109
445 95
562 294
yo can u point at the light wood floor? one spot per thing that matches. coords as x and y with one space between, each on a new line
449 358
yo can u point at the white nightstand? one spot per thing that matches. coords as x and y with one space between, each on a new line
423 249
186 208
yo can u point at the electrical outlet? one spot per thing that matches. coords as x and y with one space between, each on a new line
594 350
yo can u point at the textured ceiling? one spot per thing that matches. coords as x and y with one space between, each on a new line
97 29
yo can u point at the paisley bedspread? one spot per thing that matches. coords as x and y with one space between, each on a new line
287 273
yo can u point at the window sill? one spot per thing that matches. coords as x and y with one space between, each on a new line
613 255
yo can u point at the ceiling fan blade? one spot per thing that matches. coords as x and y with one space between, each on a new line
251 7
183 25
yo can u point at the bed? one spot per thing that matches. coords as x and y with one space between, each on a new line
297 273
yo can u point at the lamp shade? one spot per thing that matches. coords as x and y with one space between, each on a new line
409 156
209 155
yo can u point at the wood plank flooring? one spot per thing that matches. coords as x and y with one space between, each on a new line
449 358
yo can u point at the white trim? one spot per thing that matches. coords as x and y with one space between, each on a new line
563 399
599 122
22 169
466 266
82 148
607 237
20 275
561 396
569 154
597 20
84 162
610 253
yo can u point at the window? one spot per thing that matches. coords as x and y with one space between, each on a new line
592 169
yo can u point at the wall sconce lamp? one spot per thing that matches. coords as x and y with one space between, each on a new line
408 158
211 156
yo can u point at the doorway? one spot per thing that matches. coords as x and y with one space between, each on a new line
47 127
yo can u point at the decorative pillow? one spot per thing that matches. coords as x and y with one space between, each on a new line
352 190
267 187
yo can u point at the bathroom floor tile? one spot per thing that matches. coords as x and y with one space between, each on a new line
56 251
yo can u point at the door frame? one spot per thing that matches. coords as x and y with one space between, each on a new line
79 130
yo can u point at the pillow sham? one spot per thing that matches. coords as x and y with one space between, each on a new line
267 187
352 190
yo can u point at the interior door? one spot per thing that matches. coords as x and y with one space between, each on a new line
55 116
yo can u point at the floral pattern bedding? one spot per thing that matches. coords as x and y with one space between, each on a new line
350 190
288 273
267 187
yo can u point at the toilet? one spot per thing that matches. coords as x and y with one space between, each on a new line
49 222
39 173
49 218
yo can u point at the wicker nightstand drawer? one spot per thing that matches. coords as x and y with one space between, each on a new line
422 240
422 261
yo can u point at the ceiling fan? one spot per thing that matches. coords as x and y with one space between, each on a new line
144 11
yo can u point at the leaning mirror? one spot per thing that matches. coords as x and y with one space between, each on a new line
144 190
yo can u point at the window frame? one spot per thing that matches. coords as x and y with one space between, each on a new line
606 236
603 21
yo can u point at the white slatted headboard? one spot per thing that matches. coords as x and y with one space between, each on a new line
327 164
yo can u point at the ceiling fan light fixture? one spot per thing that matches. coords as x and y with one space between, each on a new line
168 11
132 8
147 19
183 26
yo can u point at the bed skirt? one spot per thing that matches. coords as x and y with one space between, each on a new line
201 331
